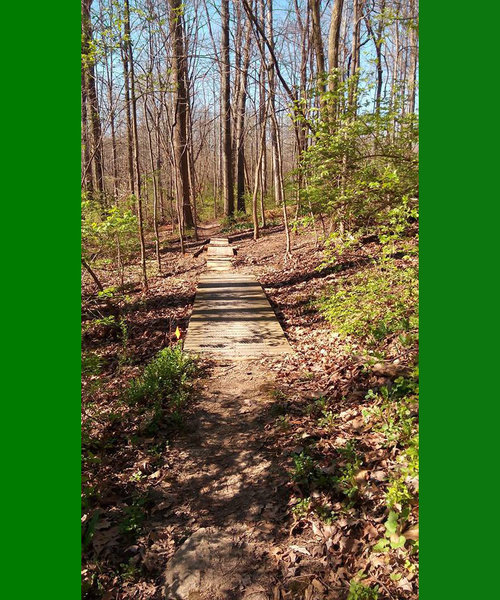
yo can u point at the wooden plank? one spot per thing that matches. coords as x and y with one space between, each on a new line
232 318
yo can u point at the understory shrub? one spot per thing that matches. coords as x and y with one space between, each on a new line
374 304
165 382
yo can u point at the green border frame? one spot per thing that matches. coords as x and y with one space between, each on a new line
459 233
41 294
41 276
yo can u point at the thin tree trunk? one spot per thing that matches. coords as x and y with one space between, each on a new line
413 57
240 125
226 111
92 274
333 54
258 170
355 54
154 176
275 133
126 85
135 139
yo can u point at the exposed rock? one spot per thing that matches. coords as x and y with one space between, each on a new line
213 563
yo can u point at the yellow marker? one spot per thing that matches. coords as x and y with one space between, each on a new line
178 333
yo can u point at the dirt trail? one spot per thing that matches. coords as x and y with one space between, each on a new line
227 487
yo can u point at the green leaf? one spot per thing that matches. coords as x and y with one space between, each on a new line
392 523
397 541
381 546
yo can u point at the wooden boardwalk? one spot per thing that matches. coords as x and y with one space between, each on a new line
232 319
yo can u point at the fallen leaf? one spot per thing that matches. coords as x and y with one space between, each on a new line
411 533
300 549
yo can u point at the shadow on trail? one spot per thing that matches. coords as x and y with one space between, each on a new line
230 477
231 468
316 274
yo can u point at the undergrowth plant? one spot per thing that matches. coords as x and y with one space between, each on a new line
360 591
164 386
374 304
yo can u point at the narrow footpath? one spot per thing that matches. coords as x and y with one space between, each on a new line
229 490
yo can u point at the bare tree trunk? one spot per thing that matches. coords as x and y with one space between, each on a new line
190 150
377 41
413 57
263 132
179 68
314 8
355 53
240 123
92 110
258 170
262 104
112 115
300 130
87 185
154 176
333 52
92 274
275 133
124 46
226 111
135 139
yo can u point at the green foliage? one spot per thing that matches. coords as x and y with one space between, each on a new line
310 476
237 222
346 480
89 528
163 389
359 591
317 407
325 513
302 508
301 223
394 224
304 470
392 537
133 516
110 232
359 164
394 411
91 363
399 493
283 422
109 324
165 380
327 419
374 304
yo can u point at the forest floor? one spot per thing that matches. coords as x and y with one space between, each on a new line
239 500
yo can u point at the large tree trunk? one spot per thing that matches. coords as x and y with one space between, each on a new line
317 39
334 45
92 109
179 68
226 112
